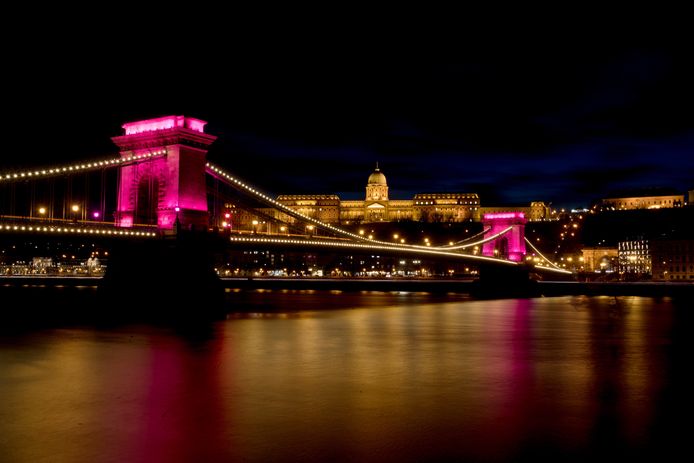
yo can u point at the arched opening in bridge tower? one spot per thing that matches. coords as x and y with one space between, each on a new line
147 201
501 249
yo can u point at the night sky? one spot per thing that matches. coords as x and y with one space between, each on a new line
514 122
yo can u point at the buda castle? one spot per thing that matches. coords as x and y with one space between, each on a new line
378 207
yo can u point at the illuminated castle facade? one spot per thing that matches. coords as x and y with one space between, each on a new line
378 207
644 202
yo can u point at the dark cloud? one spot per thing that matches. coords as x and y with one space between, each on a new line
601 180
513 122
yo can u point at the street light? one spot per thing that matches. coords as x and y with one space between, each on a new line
42 210
177 221
75 208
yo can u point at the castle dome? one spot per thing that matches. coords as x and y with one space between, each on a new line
377 177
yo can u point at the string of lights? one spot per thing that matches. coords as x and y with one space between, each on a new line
465 240
7 227
370 246
80 167
552 269
542 255
477 243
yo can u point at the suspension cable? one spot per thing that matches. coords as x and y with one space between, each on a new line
542 255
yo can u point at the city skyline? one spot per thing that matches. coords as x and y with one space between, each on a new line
512 124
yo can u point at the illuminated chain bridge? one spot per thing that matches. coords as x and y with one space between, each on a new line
161 185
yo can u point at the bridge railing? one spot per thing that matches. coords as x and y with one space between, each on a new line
61 226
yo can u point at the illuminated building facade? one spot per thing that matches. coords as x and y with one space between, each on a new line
325 208
643 202
673 260
601 259
377 206
446 207
634 258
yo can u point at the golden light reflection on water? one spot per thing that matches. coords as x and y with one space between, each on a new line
397 377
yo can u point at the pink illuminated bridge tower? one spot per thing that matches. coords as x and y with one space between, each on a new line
169 182
510 245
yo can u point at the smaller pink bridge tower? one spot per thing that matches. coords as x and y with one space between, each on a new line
510 245
165 179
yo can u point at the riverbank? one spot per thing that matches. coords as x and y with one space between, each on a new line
620 288
543 288
43 280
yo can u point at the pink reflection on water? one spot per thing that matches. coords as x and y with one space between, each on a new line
504 380
183 413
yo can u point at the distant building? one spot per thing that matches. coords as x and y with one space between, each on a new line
325 208
643 202
600 259
446 207
634 258
691 198
673 260
378 207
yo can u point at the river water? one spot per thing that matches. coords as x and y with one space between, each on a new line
330 376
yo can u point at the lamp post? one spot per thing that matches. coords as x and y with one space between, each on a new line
177 222
75 208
